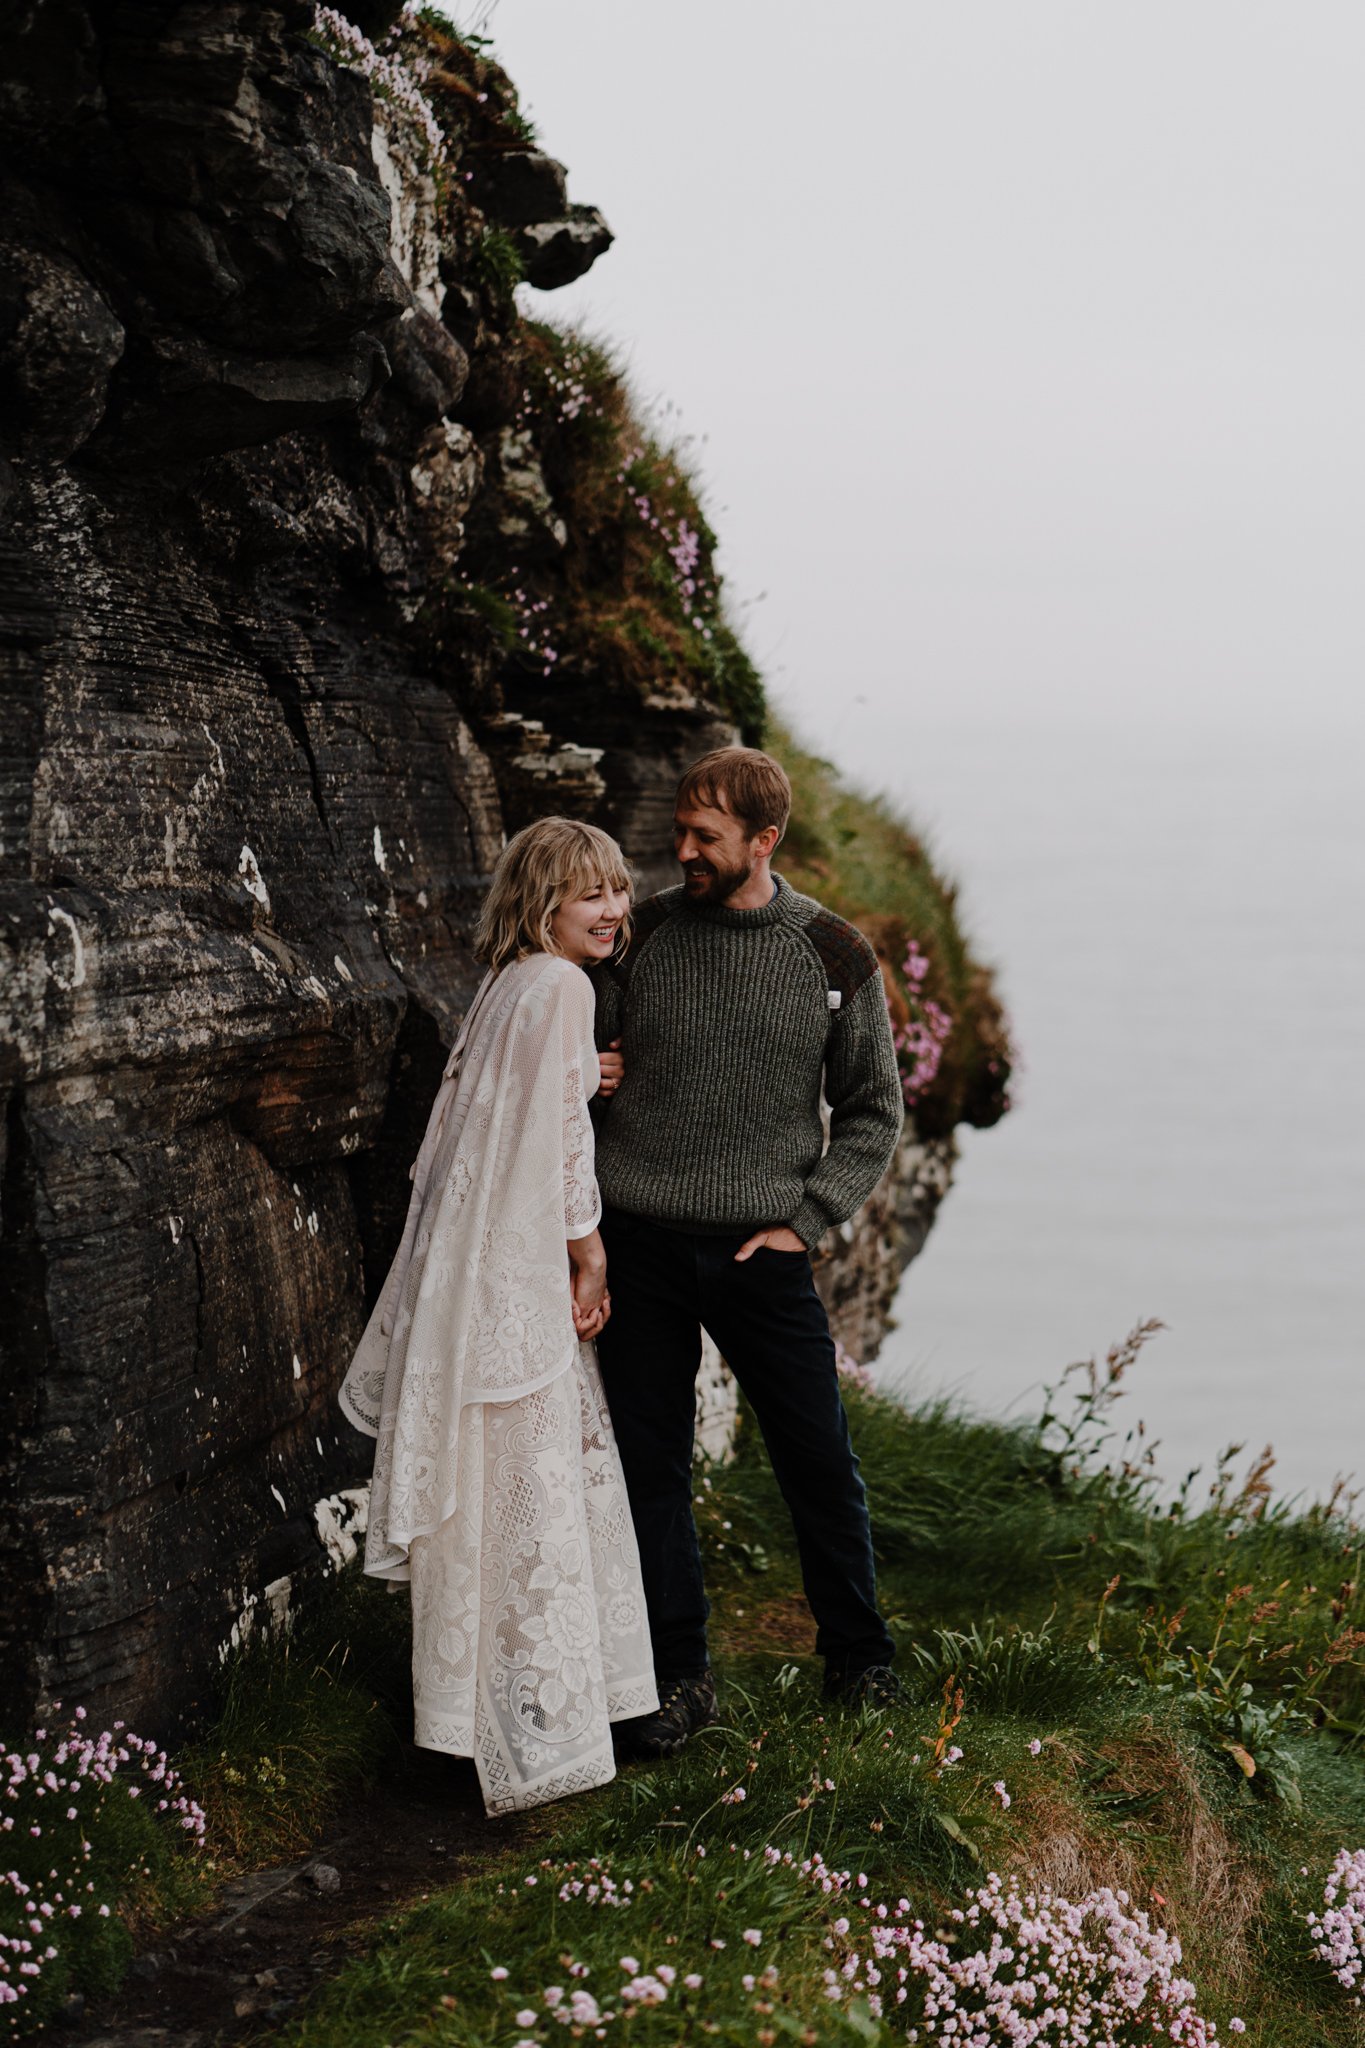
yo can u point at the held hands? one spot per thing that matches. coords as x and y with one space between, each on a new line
590 1323
778 1239
613 1067
588 1297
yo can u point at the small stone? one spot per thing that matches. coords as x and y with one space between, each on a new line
324 1877
143 1969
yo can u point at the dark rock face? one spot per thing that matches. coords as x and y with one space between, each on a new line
251 854
245 814
62 342
858 1268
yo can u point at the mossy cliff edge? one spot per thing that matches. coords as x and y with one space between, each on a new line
320 568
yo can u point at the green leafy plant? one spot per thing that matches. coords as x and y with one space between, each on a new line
495 262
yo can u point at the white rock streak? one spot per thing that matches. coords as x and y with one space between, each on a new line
55 916
249 869
341 1518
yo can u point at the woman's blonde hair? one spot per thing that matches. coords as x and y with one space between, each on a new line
553 861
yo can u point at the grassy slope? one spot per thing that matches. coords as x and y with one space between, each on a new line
1007 1537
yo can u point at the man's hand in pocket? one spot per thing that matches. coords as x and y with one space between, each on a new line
778 1239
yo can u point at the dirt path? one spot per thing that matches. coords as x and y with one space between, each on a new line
238 1973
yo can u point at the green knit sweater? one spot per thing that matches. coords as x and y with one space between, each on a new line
731 1022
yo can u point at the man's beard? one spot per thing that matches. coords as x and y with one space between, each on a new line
714 884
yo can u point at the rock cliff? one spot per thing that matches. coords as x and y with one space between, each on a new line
320 568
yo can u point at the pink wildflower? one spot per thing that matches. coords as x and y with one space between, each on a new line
1339 1930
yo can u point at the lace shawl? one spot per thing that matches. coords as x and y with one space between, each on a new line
476 1305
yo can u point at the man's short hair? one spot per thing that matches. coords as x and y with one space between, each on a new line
744 781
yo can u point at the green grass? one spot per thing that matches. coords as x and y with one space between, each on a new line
496 263
997 1551
302 1719
633 602
1042 1593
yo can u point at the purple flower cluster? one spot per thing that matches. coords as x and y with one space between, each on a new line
597 1887
579 2009
1042 1970
685 554
682 545
394 77
52 1797
23 1954
1339 1930
1014 1968
920 1042
570 392
532 630
848 1368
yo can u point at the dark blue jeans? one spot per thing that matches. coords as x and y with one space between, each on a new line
771 1328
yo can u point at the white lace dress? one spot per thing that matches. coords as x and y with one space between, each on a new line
497 1488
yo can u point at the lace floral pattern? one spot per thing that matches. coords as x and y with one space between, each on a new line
497 1488
582 1203
476 1304
529 1630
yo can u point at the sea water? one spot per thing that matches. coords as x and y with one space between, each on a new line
1177 916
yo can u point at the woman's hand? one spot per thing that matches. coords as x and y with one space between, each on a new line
588 1296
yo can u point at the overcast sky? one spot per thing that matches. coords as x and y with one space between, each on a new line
1026 340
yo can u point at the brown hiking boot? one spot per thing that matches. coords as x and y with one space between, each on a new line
877 1686
685 1704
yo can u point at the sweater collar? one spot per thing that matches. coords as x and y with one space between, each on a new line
778 909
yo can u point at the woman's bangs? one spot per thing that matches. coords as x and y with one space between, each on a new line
590 869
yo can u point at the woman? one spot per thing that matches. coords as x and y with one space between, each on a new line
497 1489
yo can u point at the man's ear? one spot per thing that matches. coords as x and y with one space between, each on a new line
765 842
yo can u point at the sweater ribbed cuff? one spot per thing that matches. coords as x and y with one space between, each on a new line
810 1223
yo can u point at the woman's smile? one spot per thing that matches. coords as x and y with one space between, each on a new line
585 928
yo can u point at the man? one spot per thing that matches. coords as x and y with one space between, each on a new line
737 1001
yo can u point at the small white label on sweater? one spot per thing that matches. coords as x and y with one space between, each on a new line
836 998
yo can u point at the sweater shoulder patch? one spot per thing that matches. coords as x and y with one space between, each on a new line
846 956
